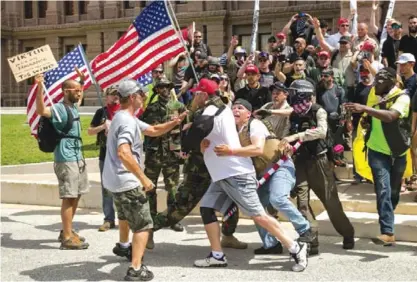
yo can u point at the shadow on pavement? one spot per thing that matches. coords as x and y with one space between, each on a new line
8 242
56 211
83 270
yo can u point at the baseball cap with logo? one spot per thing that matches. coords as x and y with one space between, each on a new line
128 87
344 39
323 54
264 54
206 85
342 21
251 69
405 58
281 35
368 46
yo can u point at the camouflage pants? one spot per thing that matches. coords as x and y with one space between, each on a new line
133 207
191 190
169 165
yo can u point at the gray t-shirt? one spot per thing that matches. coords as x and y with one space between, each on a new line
124 129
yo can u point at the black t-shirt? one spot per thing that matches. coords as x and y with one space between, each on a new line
390 51
256 96
267 78
331 99
301 28
290 80
408 44
360 97
98 119
410 85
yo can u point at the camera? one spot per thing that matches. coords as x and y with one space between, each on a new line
363 55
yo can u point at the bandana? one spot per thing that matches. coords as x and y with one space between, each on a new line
302 107
111 110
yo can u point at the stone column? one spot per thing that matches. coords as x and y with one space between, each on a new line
12 50
111 9
94 10
54 12
14 11
94 42
215 36
55 43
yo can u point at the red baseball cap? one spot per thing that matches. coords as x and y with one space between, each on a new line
281 35
251 68
368 46
323 53
206 85
342 21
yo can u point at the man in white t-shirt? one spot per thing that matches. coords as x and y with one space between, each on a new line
343 26
234 180
253 135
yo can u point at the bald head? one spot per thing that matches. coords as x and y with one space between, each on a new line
362 30
70 84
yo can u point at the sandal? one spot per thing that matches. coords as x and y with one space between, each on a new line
411 184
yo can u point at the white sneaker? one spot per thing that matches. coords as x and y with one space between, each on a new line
300 258
211 261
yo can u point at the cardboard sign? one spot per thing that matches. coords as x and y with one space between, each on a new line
29 64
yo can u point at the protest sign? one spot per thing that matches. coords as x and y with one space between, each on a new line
29 64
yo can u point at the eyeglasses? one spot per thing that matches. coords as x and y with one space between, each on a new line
224 78
344 25
73 89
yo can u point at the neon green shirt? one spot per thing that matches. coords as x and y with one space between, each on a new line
377 141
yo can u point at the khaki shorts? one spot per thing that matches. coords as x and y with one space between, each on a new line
72 179
133 206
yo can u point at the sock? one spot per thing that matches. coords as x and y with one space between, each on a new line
137 269
217 255
295 248
124 245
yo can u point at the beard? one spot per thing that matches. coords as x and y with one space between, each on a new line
412 29
73 99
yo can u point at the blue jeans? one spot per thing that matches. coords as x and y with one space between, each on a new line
276 191
184 98
387 173
107 201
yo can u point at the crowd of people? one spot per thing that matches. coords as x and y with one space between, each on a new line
295 105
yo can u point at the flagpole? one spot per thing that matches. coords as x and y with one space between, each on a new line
50 100
254 27
177 27
90 73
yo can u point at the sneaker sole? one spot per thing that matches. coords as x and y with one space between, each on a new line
129 278
212 265
382 243
74 248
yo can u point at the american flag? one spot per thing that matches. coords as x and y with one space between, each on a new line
148 42
145 79
53 81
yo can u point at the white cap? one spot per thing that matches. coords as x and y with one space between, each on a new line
128 87
405 58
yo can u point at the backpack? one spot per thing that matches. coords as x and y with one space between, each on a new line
48 137
200 129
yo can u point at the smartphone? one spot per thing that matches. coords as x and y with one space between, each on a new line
281 58
301 14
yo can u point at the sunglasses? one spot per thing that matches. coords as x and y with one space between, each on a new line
158 72
343 43
73 89
224 78
344 25
197 36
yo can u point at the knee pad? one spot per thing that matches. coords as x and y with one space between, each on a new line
208 215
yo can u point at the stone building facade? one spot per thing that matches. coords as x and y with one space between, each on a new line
98 24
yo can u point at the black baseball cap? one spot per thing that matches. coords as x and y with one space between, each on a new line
278 86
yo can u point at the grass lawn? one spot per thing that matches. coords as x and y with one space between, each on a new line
19 147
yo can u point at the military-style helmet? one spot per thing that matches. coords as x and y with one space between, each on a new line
301 90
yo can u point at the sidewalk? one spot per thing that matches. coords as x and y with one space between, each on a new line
30 251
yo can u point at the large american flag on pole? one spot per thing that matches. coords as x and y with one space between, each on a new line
53 81
150 40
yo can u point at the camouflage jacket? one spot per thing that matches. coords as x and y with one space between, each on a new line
158 113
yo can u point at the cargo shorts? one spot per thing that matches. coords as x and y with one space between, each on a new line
72 179
133 206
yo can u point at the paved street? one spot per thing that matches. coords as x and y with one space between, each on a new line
29 251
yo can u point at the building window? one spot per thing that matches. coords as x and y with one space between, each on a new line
120 34
42 7
68 8
85 48
292 3
69 48
205 34
82 7
28 6
127 5
142 4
